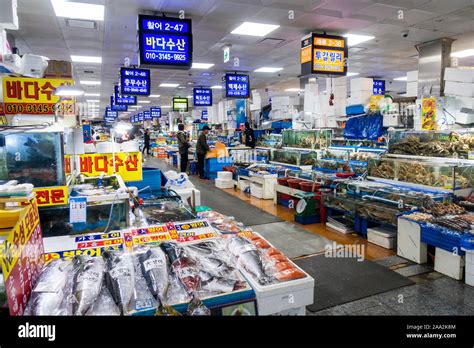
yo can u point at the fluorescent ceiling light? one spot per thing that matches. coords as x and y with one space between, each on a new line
166 106
352 73
462 54
202 65
216 87
293 90
268 69
154 96
78 10
93 101
91 94
144 101
90 83
254 29
86 59
172 85
353 39
403 78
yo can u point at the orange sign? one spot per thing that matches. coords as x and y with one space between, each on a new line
31 96
306 55
48 196
328 61
324 41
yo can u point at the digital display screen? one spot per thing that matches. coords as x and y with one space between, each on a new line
180 104
237 86
379 87
155 112
123 99
202 97
135 81
165 42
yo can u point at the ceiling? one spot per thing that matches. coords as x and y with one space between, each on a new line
114 39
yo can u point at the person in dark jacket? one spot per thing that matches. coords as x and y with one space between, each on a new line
183 146
249 136
201 149
146 139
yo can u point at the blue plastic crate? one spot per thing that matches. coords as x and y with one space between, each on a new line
307 220
151 177
356 109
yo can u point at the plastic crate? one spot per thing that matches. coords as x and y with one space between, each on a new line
151 177
307 220
356 109
244 172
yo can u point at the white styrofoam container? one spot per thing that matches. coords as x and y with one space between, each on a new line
285 296
224 184
449 264
459 75
224 175
382 237
409 245
469 278
339 91
244 185
390 120
256 190
362 84
459 89
464 118
464 102
358 100
412 89
412 76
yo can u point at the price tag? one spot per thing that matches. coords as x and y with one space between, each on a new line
77 209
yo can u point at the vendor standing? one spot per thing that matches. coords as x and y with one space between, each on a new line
201 149
146 140
183 146
249 136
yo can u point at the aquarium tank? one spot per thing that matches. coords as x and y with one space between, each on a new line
35 158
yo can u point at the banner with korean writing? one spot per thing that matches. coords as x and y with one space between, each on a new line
324 54
22 258
428 113
49 196
31 96
127 164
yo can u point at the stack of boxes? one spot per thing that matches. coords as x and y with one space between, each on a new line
459 84
338 86
361 91
224 180
412 83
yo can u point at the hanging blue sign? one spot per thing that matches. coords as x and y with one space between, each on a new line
123 99
202 96
136 119
135 81
204 115
109 113
379 87
116 107
141 117
165 42
155 112
147 116
236 85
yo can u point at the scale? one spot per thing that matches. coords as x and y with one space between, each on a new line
306 212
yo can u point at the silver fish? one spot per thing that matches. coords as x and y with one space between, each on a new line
104 305
248 257
89 278
222 285
120 277
155 270
47 296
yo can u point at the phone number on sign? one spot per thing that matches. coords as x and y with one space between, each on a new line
166 56
39 109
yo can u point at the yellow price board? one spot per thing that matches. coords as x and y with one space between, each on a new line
328 61
49 196
32 96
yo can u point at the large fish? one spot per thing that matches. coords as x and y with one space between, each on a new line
248 257
88 282
48 294
155 270
104 305
120 277
184 267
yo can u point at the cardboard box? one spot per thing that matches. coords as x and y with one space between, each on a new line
58 69
459 75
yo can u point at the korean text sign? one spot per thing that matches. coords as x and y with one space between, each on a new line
22 258
117 107
127 164
48 196
155 112
237 85
135 81
147 116
202 96
124 99
324 54
180 104
165 42
204 115
379 87
31 96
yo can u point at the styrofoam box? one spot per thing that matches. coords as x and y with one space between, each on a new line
382 237
244 185
449 264
459 75
361 94
284 296
224 175
469 279
339 91
390 120
362 84
464 118
224 184
412 89
358 100
464 102
412 76
336 82
256 190
459 88
409 244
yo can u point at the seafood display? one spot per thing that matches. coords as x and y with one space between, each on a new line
162 212
419 216
120 277
461 225
88 282
384 170
440 209
307 139
155 269
293 157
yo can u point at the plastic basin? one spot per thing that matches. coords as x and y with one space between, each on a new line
283 181
294 183
309 186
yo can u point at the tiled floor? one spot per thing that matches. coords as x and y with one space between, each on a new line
432 294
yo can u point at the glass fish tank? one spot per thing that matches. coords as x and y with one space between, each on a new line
165 210
294 157
307 139
35 158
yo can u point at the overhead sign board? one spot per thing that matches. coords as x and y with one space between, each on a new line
202 97
135 81
124 99
236 85
109 113
379 87
324 54
147 116
155 112
204 115
117 107
166 42
180 104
